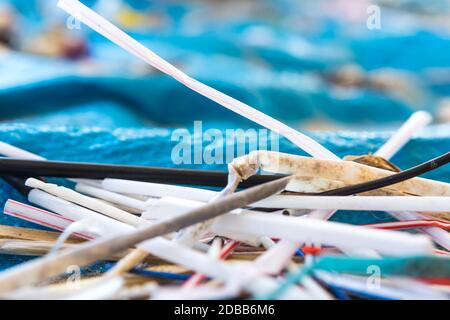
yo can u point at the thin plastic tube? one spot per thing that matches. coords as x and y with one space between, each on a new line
111 32
366 203
413 224
14 152
438 235
157 190
111 196
417 121
42 217
276 258
88 202
324 232
75 212
169 207
194 260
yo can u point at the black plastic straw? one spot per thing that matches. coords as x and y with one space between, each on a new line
60 169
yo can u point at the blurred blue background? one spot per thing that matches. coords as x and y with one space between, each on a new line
313 64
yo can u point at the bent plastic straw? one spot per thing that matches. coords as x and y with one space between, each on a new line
111 32
363 203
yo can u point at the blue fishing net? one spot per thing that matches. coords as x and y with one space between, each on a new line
285 59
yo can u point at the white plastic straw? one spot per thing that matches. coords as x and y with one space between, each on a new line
169 207
362 203
250 279
277 257
324 232
160 247
417 121
111 32
14 152
75 212
267 224
111 196
42 217
87 202
158 190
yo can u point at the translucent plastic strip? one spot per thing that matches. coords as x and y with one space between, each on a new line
111 32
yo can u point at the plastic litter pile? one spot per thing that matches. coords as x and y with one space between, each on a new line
261 230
